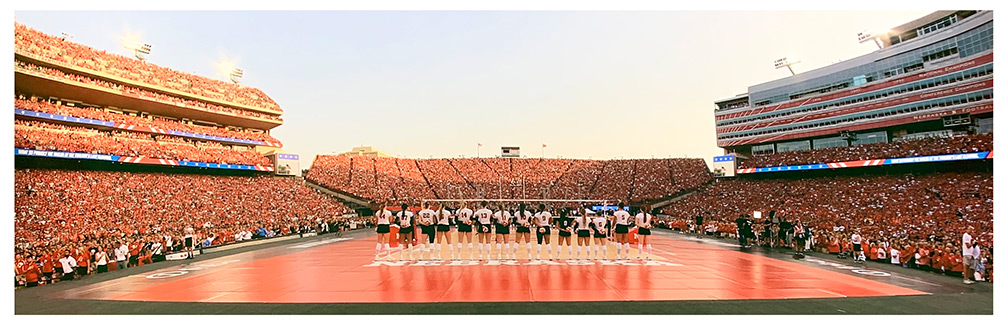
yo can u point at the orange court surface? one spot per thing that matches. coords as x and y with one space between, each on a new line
343 270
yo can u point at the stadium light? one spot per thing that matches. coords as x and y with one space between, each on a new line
66 36
131 41
236 75
784 62
864 36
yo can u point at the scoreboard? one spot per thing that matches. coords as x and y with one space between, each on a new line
511 152
287 164
724 165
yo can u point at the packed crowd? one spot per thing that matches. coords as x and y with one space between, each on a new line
902 148
919 215
445 181
154 122
58 212
141 93
53 137
54 49
392 179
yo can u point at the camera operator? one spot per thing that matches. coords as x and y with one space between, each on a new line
740 224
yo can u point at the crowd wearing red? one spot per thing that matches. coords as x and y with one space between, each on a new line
141 93
921 216
896 149
56 50
411 180
53 137
150 122
58 211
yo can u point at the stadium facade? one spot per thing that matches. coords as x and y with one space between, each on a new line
74 86
932 77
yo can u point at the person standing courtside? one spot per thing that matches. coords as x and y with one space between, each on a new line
190 239
967 255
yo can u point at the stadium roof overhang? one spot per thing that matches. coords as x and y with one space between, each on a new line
39 85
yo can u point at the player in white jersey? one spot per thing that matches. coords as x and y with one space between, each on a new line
405 220
483 216
464 222
644 222
600 227
382 218
622 218
543 220
444 220
426 218
583 232
502 226
523 230
855 240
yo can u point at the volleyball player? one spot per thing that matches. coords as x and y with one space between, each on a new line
426 218
622 228
523 221
564 227
583 232
644 223
382 217
502 227
600 226
444 220
405 219
543 221
464 221
483 216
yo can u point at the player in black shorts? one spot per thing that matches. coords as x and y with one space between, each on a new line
523 230
583 231
464 222
543 220
444 220
502 226
600 226
564 226
644 222
483 218
405 220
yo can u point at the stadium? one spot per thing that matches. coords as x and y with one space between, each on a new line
860 187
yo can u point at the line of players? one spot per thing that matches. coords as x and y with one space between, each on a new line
495 224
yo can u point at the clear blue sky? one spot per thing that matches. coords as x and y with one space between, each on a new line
600 85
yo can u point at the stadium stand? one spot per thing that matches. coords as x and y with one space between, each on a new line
46 136
52 49
145 123
68 210
411 180
917 213
137 92
903 148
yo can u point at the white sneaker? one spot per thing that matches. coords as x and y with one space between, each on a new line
968 281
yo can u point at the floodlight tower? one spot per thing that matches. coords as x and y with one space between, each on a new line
236 75
864 36
141 52
784 62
